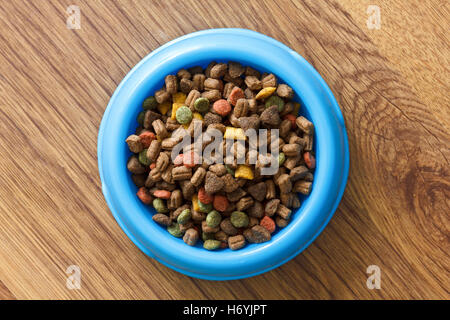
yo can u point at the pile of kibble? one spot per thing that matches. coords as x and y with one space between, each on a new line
230 204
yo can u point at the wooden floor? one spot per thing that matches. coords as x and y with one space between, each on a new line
392 85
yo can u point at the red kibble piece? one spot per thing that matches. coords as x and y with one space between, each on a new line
291 118
222 107
235 94
190 159
146 138
309 160
223 245
178 160
268 223
152 166
144 195
220 203
204 197
162 194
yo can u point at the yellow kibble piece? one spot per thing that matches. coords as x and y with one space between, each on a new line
234 133
244 172
179 97
195 202
175 107
163 107
265 93
197 115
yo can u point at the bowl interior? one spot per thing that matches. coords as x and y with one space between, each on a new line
151 86
317 104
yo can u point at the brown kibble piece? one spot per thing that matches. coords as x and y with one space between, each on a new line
298 173
270 189
253 83
162 96
271 207
213 183
270 117
198 81
191 237
176 199
292 150
269 81
160 129
218 70
258 191
230 183
256 210
284 91
236 195
134 166
284 183
212 95
241 108
304 187
171 84
305 125
198 176
153 150
134 143
162 219
281 223
244 203
236 242
227 227
235 69
257 234
149 117
283 211
181 173
186 85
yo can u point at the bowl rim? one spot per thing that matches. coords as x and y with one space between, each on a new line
240 33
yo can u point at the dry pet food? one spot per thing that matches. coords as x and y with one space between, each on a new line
225 199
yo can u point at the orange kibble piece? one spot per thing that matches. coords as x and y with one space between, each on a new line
310 160
235 94
144 195
162 194
222 107
220 203
146 138
268 223
291 118
204 197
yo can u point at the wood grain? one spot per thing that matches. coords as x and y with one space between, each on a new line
392 87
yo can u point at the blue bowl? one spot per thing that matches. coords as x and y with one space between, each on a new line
318 104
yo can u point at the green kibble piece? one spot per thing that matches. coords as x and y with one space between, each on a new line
149 103
281 159
213 219
229 170
183 115
174 229
275 101
140 118
184 216
143 158
160 206
211 244
205 208
208 236
239 219
201 105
